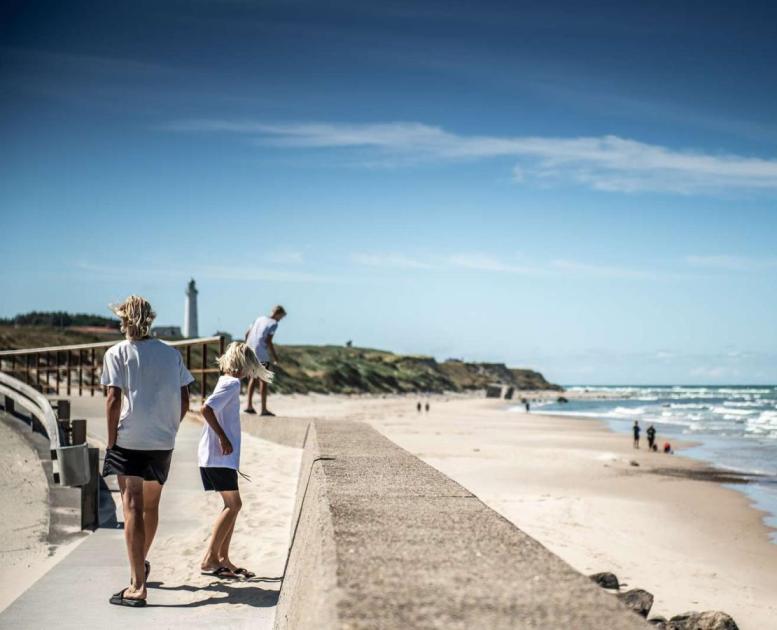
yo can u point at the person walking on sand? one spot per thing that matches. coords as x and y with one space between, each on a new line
636 431
418 406
259 338
148 397
219 453
651 437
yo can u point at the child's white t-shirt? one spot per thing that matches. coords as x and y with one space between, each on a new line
150 374
225 402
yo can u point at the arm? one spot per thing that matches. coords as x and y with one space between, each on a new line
112 414
184 400
271 348
213 423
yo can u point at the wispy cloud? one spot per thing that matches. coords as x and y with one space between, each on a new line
725 262
285 257
607 163
235 272
605 271
483 262
390 260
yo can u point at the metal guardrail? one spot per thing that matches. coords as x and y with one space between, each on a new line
77 367
70 462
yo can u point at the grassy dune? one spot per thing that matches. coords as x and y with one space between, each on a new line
330 369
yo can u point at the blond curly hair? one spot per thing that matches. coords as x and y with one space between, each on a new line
136 316
240 359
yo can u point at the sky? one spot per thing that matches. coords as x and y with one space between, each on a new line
584 188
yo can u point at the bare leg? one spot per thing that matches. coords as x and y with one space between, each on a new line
263 387
222 528
223 552
134 534
152 492
250 394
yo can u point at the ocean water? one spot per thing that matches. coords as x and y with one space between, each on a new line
735 426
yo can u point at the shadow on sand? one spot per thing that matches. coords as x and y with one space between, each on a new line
250 595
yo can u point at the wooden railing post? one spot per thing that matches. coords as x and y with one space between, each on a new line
94 369
80 372
204 381
68 376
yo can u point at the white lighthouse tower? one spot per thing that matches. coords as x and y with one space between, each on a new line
190 315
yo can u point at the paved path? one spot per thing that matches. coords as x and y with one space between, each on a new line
74 593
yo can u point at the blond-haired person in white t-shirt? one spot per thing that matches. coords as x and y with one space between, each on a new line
148 396
219 453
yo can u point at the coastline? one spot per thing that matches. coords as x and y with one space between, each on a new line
568 482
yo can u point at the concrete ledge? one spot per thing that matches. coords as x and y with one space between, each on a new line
382 540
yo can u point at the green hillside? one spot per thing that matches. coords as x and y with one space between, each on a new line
329 369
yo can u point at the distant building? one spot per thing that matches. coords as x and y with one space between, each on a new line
190 314
167 332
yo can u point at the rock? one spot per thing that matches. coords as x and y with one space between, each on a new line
708 620
562 400
634 462
659 622
606 580
638 600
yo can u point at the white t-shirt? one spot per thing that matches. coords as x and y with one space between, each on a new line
261 329
225 402
150 374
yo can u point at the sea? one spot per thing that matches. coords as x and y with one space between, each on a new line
734 427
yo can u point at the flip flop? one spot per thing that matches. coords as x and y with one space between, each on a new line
250 411
244 572
267 413
118 599
221 572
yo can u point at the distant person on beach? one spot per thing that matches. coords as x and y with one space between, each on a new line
426 407
527 404
219 453
667 448
148 397
259 338
636 431
651 437
418 406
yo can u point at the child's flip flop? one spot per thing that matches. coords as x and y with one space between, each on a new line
118 599
244 572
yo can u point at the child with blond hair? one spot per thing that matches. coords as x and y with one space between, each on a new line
219 453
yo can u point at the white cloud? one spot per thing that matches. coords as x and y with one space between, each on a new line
732 263
396 261
483 262
574 266
607 163
286 257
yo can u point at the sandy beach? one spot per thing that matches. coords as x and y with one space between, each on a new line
569 483
665 525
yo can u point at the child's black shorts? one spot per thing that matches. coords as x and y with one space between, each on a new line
151 465
219 479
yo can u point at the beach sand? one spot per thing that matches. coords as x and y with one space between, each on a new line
568 482
24 515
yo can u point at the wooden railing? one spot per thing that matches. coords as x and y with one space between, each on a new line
77 368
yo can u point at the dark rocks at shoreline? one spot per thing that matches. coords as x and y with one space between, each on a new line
606 580
708 620
638 600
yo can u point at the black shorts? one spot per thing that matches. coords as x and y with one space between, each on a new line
151 465
218 479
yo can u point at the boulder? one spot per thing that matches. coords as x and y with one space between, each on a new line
708 620
659 622
606 580
637 600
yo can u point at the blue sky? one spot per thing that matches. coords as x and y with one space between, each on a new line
586 189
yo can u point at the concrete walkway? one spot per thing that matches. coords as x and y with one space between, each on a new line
74 594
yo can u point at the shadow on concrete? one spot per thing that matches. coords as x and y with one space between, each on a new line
106 507
249 595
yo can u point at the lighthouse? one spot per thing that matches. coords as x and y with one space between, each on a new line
190 315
